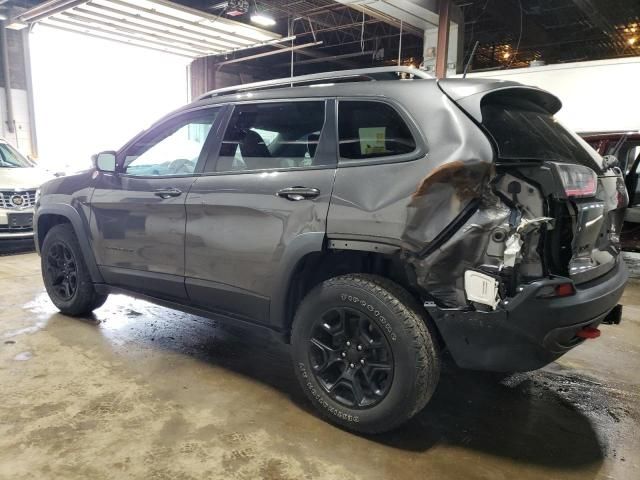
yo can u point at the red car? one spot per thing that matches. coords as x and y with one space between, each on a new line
626 147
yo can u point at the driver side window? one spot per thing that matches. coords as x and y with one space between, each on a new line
171 149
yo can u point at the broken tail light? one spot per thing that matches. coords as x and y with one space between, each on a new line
578 181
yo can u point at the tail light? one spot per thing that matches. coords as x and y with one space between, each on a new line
578 181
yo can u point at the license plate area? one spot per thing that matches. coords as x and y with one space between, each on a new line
20 220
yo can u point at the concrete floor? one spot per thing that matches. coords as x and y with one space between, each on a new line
138 391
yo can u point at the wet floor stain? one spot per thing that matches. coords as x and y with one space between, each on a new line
139 391
23 356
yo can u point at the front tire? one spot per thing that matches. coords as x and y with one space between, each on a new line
65 273
363 353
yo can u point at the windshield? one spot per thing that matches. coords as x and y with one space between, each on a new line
11 158
523 130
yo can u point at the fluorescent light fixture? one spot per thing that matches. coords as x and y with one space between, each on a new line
17 25
263 20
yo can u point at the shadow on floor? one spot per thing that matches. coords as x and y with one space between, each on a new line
521 417
12 247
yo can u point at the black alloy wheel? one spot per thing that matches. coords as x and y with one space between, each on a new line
351 358
62 270
364 353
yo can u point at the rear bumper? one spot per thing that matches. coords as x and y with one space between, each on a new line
529 332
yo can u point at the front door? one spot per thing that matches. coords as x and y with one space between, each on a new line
263 197
138 213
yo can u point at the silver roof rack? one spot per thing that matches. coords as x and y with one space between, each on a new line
361 74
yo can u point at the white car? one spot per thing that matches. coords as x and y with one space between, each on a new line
20 178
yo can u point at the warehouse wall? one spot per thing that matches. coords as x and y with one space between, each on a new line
596 96
205 75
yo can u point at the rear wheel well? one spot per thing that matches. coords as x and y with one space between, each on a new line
46 223
317 267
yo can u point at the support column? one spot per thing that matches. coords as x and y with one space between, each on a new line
453 61
17 119
443 39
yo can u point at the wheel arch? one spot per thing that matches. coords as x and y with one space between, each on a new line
51 215
314 266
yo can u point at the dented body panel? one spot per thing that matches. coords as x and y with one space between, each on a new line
411 202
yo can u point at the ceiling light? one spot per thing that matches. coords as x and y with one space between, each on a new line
506 55
263 20
632 40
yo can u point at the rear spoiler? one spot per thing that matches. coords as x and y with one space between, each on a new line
469 94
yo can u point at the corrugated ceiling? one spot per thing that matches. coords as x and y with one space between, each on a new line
160 25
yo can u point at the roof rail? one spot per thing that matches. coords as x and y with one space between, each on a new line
356 75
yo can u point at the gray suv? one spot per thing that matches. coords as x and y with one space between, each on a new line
376 223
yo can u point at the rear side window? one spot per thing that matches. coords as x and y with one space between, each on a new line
273 135
523 130
369 129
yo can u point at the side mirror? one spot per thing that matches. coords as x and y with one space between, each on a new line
105 161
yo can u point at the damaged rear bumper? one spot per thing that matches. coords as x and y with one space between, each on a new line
528 332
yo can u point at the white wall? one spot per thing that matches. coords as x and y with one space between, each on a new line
92 94
21 137
596 96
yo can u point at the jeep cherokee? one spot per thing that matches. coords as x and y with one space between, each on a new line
375 223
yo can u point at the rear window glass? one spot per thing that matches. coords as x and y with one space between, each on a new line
372 130
524 131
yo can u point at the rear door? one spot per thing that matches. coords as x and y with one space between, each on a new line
260 204
138 213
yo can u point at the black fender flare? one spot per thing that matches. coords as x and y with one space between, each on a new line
294 253
80 226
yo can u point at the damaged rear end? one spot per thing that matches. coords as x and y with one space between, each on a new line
530 266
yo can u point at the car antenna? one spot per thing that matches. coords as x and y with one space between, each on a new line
473 52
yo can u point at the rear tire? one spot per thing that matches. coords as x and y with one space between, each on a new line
65 273
363 353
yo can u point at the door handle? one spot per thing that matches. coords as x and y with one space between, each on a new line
167 193
298 193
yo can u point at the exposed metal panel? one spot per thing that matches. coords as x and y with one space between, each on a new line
155 24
